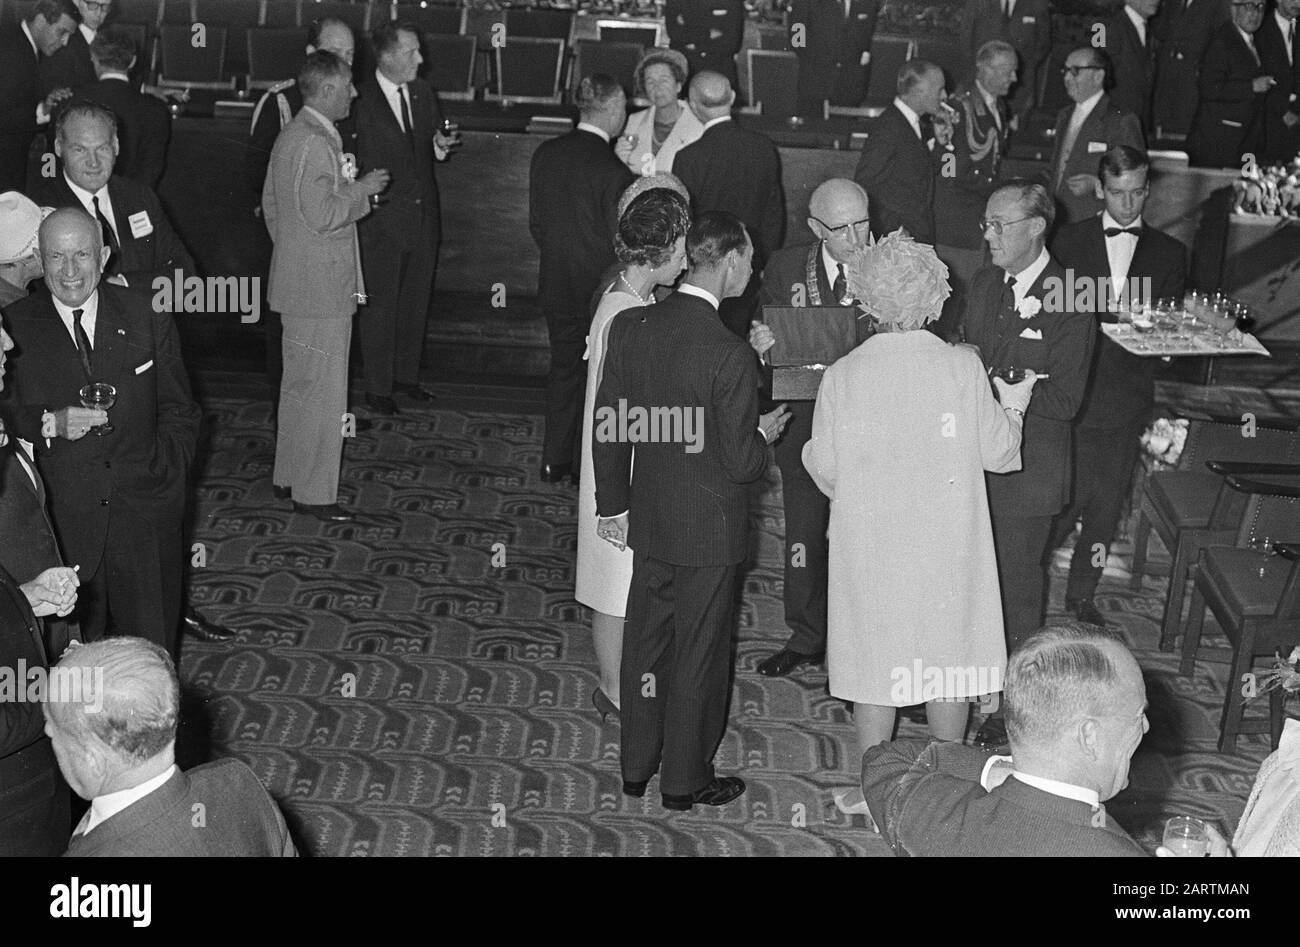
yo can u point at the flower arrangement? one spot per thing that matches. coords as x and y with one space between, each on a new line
1162 442
899 281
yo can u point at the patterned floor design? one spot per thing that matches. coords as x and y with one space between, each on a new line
420 683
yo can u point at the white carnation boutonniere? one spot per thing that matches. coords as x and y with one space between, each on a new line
1029 307
348 167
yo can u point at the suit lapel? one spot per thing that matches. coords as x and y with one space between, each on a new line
17 473
113 339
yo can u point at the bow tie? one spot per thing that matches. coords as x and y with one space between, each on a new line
1116 231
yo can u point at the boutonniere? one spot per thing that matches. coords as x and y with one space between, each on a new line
348 167
1029 307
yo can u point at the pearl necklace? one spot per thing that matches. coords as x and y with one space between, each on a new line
644 301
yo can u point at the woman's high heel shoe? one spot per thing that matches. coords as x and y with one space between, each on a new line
604 706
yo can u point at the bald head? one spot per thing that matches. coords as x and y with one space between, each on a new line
711 96
838 214
73 254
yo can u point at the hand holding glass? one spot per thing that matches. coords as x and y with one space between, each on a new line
100 395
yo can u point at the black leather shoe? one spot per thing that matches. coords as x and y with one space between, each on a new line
993 732
382 405
196 626
281 493
554 473
1085 609
635 789
785 661
720 791
329 512
416 393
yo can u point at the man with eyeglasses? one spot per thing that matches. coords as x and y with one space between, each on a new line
71 67
1020 317
1229 122
810 274
1085 131
1276 40
1182 29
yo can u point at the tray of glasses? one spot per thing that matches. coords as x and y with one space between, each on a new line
1178 334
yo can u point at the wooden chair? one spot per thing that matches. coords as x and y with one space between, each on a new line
1177 504
1253 589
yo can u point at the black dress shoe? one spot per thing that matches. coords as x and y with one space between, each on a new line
720 791
416 392
196 626
281 493
785 661
993 732
635 789
382 405
554 473
1085 609
329 512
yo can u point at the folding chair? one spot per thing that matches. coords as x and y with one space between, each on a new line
187 66
274 55
449 64
528 70
773 81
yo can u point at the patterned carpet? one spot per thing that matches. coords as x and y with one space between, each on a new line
419 682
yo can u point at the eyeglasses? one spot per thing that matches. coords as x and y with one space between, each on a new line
997 225
1075 70
843 229
100 7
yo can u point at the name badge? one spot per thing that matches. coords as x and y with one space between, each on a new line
1029 19
141 226
1096 147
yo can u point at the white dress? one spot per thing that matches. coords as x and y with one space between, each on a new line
604 572
641 126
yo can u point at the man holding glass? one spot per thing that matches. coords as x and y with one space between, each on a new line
117 498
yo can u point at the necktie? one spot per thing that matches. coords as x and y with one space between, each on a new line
1067 146
1116 231
1006 8
926 121
109 235
1250 41
406 116
1290 41
841 287
83 342
1009 296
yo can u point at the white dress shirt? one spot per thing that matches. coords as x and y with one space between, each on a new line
1028 276
598 132
912 118
87 33
715 121
1053 786
393 95
1139 23
1081 112
991 101
1119 253
89 317
690 289
1250 41
42 116
1284 25
103 808
832 269
105 205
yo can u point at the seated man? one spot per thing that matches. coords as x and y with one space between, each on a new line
1076 712
115 739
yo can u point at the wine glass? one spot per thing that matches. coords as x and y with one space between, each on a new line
1187 837
99 394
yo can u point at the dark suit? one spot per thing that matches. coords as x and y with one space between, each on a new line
896 171
1119 398
574 183
159 252
689 23
927 800
1182 31
239 819
117 499
70 67
1134 66
1229 120
144 128
738 171
1029 30
688 526
1103 129
20 94
1280 142
1023 504
807 510
34 811
399 239
830 60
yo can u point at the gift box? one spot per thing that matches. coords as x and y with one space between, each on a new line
809 340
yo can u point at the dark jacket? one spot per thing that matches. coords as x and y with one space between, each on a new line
268 122
1103 129
966 172
70 67
1280 142
144 129
20 94
1134 66
830 59
1229 119
1182 32
896 170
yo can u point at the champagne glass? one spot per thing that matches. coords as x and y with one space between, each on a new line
99 394
1187 837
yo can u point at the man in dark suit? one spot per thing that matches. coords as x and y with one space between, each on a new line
738 171
683 508
1026 25
1277 53
116 746
835 51
397 122
23 109
1233 83
897 166
1183 29
1131 45
708 32
1085 131
574 183
1019 313
144 126
117 499
71 67
966 169
1119 248
810 274
133 226
1076 711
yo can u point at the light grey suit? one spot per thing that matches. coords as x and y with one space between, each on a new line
311 210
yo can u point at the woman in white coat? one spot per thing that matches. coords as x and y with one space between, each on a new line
653 136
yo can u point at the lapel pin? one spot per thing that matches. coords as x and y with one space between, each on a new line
121 332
